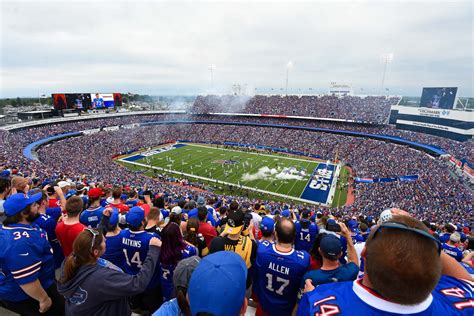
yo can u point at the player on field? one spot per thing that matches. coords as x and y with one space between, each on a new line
278 271
27 283
306 232
405 272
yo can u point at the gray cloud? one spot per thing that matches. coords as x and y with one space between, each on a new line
167 47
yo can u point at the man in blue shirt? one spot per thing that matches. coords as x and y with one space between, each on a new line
332 270
26 260
279 269
450 247
405 273
305 232
98 102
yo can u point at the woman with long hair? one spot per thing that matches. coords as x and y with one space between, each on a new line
174 249
92 288
193 237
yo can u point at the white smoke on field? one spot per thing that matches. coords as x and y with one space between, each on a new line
266 173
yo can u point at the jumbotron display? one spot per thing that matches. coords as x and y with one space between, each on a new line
86 101
438 98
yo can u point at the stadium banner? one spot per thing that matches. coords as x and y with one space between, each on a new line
469 171
436 113
389 179
455 162
320 183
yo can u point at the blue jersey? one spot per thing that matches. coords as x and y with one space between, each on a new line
167 286
305 237
453 252
25 256
135 249
98 102
450 297
48 224
54 212
278 277
91 217
113 251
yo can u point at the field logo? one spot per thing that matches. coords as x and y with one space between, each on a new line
156 151
318 188
321 180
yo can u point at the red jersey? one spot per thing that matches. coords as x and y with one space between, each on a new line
54 203
121 207
66 235
208 232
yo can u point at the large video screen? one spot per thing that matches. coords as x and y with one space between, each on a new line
438 98
86 101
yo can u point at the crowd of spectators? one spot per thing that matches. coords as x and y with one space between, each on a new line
158 230
370 108
291 262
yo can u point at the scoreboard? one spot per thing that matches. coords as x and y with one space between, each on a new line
454 124
86 101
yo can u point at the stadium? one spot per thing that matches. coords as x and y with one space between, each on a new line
257 201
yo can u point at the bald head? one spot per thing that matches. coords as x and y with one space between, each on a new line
285 231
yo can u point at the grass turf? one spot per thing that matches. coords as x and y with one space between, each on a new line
230 166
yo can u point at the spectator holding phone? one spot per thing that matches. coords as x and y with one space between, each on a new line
332 270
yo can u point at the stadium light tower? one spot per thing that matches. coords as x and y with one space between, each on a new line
288 67
386 59
211 69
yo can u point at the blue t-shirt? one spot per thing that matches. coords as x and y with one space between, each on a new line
135 249
91 217
194 214
347 272
113 251
278 276
169 308
48 224
450 297
305 237
25 256
453 252
167 286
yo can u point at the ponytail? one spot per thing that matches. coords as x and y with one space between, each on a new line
182 301
81 255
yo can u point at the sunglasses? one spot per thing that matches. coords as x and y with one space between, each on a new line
94 233
404 227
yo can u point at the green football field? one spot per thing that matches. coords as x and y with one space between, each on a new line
275 174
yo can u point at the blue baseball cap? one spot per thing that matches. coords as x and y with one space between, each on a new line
285 213
220 296
330 245
124 196
135 216
267 224
114 217
19 201
70 193
5 174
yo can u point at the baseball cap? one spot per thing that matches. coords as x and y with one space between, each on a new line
455 237
135 216
70 193
267 224
235 221
5 173
63 184
201 201
183 271
219 296
114 217
17 202
176 210
385 216
285 213
330 245
95 193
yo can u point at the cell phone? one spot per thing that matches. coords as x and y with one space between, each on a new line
333 227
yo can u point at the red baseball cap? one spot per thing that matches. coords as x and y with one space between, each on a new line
95 193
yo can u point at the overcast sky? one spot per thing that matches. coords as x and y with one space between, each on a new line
164 48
